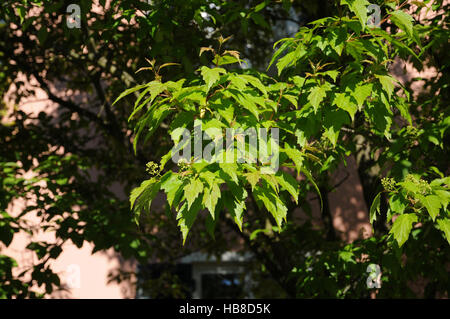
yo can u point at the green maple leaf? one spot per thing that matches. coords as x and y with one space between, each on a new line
211 197
192 190
402 227
432 204
316 96
211 76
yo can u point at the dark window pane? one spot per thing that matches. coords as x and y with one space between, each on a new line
221 286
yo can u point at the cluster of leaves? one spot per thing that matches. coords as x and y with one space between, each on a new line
11 285
415 200
328 270
333 83
221 100
343 74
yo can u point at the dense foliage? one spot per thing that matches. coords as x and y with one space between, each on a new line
329 88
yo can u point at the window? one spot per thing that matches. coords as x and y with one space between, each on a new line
198 276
